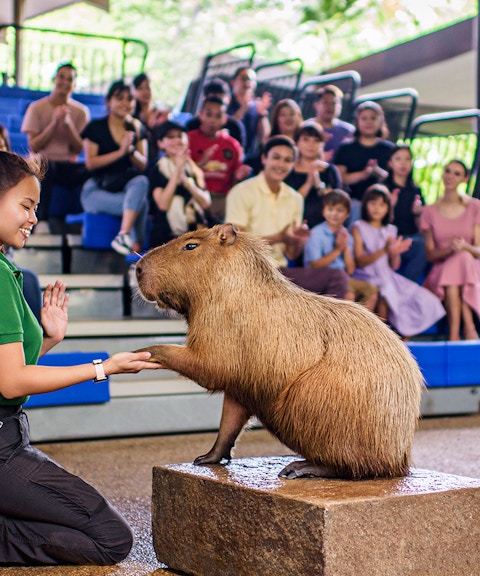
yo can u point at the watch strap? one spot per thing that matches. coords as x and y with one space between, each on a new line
99 371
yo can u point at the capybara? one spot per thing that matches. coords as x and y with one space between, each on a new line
327 377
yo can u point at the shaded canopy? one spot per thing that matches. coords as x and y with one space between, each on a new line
17 11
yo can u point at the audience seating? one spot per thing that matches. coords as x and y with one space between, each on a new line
65 201
98 230
19 143
44 254
14 101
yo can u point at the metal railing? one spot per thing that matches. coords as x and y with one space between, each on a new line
281 79
399 107
29 57
437 138
221 64
348 82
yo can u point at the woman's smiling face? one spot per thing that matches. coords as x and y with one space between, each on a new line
17 209
453 175
121 103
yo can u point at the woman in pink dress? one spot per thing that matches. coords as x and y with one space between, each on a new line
451 228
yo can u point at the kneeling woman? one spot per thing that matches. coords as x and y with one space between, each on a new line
116 154
47 515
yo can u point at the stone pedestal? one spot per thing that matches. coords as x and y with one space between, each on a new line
242 520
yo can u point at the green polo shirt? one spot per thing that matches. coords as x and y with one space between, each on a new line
17 321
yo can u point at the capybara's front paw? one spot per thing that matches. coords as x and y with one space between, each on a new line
152 358
212 458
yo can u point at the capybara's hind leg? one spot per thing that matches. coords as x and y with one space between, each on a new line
305 469
234 418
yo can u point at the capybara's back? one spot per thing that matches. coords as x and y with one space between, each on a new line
326 376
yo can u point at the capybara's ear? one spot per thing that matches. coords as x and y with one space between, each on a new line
227 234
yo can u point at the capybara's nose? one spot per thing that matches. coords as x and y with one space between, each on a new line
138 271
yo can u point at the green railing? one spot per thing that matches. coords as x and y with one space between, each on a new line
437 138
281 78
222 64
348 82
399 107
29 57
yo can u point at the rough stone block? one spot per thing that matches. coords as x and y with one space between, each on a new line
243 520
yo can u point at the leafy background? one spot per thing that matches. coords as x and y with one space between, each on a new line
323 33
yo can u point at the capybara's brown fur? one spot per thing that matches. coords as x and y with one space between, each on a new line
325 376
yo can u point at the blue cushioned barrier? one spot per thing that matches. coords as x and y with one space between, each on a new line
447 364
463 363
84 393
432 359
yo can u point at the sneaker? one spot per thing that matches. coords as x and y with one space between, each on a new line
122 243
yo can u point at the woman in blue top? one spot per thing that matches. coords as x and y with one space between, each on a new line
47 515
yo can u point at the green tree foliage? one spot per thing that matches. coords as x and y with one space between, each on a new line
323 33
333 12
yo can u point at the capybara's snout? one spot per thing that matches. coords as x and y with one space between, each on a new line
144 279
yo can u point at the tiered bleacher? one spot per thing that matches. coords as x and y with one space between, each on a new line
106 316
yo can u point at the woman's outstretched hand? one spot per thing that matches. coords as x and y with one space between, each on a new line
54 312
130 363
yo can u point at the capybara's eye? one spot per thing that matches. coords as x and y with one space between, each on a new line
190 246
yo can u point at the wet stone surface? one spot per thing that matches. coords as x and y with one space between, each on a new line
246 521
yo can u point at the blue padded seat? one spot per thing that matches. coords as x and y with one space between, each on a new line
19 143
65 201
98 230
15 122
87 392
11 105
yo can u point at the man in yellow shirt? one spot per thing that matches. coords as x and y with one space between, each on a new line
265 206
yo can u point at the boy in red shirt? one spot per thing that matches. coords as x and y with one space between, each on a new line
218 154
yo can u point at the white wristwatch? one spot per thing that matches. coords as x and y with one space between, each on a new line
101 376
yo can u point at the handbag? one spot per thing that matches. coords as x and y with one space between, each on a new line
116 181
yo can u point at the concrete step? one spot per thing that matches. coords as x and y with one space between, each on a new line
42 253
55 254
167 414
88 261
130 328
93 295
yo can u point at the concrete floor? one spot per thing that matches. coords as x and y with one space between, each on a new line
122 470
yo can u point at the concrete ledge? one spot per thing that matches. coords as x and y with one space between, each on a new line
133 416
83 281
242 520
125 328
